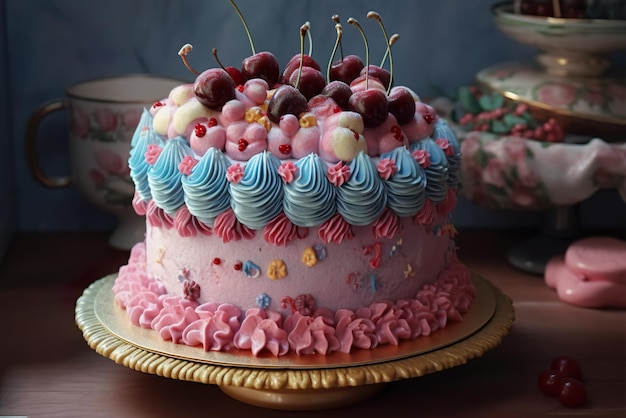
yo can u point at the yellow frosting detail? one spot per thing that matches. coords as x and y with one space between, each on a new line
253 114
189 112
161 120
308 257
180 94
308 120
265 122
277 270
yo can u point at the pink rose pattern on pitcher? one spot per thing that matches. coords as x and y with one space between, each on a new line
110 173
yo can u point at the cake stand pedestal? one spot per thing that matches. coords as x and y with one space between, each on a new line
292 382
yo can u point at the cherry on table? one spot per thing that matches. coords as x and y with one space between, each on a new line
567 365
550 382
573 393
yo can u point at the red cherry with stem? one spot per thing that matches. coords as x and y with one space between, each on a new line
401 104
233 72
312 82
567 365
340 92
573 393
294 64
371 105
551 381
260 65
213 88
286 100
347 69
389 42
380 73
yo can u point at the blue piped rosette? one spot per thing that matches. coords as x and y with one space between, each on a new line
137 161
144 125
406 189
206 187
164 177
362 198
258 197
437 172
310 198
443 130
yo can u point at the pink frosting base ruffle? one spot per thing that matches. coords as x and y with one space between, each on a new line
222 326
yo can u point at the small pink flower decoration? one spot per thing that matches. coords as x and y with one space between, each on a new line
234 173
422 157
191 289
187 164
288 171
338 174
387 168
152 153
444 144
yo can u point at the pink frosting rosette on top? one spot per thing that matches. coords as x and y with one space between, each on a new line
261 331
215 327
338 174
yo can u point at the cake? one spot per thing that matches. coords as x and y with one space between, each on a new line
285 217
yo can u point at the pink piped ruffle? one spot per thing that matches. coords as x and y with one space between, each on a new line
228 227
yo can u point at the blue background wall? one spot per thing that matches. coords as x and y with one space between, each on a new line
50 44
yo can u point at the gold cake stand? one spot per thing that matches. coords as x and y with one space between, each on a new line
293 382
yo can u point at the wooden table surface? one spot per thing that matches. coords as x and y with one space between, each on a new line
47 369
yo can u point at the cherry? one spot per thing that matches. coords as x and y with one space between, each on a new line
551 381
214 87
567 365
371 105
380 73
311 82
261 65
294 64
286 100
573 393
346 69
401 104
233 72
340 92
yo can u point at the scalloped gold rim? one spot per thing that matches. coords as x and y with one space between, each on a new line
107 344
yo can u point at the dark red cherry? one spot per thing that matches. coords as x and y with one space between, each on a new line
294 64
286 100
371 105
312 82
261 65
214 87
347 69
340 92
401 104
380 73
236 75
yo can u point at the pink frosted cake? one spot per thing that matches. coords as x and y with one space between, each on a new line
293 220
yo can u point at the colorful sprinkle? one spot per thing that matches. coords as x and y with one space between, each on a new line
251 270
308 257
373 282
277 270
409 272
320 251
238 265
217 261
263 300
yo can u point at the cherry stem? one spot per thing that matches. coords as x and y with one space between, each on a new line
374 15
214 52
303 31
356 23
308 34
332 56
336 19
184 50
557 8
245 26
392 41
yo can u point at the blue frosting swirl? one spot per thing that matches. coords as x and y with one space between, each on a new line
362 198
443 130
164 177
206 188
406 188
310 198
144 125
437 172
138 165
258 197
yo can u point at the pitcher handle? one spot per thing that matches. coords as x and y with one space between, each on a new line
32 129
